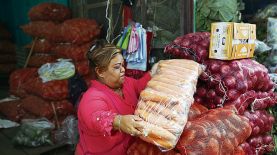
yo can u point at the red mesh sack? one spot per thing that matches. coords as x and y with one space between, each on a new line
140 147
37 106
260 120
41 46
7 47
42 108
196 110
12 110
71 51
259 145
18 78
41 29
224 81
49 12
193 46
7 58
82 67
7 68
78 31
52 90
218 131
37 60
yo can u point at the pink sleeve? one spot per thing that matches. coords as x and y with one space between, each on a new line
97 117
141 83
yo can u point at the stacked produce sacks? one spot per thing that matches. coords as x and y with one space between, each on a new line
57 36
61 36
246 85
7 51
243 83
238 92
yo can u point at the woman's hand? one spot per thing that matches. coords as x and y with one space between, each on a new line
154 69
130 124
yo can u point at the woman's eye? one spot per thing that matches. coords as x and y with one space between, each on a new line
117 67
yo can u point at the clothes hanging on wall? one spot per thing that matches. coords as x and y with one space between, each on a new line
135 54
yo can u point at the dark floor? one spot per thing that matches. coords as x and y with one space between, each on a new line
7 148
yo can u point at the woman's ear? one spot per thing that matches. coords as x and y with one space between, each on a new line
99 72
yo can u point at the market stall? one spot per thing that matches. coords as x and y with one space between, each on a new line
214 91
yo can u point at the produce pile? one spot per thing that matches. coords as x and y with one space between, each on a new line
238 94
57 36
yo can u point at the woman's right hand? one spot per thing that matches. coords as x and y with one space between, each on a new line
130 124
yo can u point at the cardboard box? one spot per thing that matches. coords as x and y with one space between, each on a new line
232 40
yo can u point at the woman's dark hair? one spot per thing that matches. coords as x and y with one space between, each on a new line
101 53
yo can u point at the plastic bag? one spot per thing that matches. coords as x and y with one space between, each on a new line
63 69
68 133
261 47
272 32
7 124
34 133
164 104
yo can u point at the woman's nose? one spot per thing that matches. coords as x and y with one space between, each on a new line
122 69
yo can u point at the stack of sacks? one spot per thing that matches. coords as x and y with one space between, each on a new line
164 104
38 99
44 19
64 37
245 84
7 52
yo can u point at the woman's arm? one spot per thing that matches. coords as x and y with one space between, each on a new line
99 119
96 116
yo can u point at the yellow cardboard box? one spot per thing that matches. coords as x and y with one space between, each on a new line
232 40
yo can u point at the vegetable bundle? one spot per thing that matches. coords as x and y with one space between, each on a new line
209 11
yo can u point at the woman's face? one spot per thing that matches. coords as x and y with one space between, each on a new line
114 75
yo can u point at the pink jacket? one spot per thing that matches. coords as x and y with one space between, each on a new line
96 113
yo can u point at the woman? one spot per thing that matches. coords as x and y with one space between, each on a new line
105 113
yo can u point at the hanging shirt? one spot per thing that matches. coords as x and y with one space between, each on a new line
138 59
96 112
